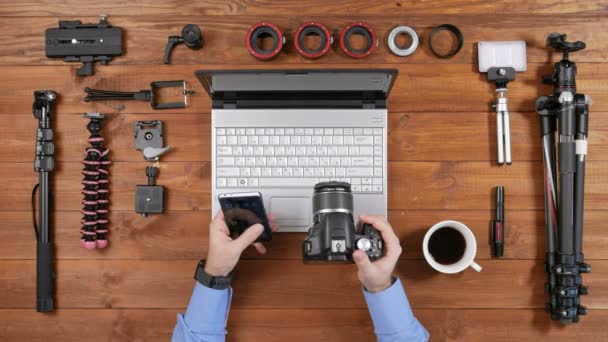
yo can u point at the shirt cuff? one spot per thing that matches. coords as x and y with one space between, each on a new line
390 309
207 311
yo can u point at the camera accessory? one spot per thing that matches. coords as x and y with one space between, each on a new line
149 139
332 236
212 282
191 36
87 43
498 224
313 29
454 30
150 198
142 95
501 60
95 191
259 32
566 112
359 29
242 210
44 163
399 30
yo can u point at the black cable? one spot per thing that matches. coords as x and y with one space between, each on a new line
34 210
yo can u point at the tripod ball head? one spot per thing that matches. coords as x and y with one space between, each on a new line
559 43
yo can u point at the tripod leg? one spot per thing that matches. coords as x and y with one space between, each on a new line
500 137
507 137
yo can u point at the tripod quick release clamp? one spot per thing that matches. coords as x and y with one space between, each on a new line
87 43
149 139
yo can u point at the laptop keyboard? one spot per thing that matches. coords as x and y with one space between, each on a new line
299 157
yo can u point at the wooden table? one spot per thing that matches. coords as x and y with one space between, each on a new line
441 166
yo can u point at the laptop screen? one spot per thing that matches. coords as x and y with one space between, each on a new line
318 88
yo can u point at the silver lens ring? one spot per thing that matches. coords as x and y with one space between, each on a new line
397 50
329 211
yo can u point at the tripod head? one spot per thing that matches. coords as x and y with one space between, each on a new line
564 71
44 101
559 43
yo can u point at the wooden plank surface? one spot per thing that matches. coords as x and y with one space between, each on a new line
507 284
419 88
307 324
183 235
412 137
294 7
441 166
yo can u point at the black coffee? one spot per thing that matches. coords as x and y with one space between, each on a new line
447 245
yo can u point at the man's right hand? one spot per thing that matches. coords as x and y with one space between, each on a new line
224 252
376 276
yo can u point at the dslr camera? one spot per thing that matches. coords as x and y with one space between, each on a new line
333 236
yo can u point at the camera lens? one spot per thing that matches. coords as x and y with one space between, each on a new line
332 197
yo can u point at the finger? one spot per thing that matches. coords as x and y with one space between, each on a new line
249 236
274 227
391 241
219 216
362 261
271 216
260 247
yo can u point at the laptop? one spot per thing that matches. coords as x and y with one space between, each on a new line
280 132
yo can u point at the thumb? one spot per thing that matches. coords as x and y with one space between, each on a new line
249 236
362 261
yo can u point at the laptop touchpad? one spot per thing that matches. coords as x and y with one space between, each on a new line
291 211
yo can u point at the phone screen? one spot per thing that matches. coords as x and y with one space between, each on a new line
241 211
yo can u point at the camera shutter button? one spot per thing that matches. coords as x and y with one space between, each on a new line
364 244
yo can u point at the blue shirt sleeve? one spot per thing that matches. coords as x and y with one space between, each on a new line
392 315
206 316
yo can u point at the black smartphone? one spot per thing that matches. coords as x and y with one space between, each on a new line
242 210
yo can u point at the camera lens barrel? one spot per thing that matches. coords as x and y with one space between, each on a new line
361 29
332 197
264 30
312 29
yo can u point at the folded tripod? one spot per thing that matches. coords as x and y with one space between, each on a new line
566 112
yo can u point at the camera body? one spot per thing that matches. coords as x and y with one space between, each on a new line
333 236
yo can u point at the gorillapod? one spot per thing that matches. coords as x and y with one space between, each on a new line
95 187
566 112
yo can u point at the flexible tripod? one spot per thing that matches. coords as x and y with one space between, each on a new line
44 101
95 187
568 113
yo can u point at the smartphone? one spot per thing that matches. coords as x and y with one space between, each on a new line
242 210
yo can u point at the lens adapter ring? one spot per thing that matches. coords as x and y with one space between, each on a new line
364 30
262 29
401 30
309 28
446 27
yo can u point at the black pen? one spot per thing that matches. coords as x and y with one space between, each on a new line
498 224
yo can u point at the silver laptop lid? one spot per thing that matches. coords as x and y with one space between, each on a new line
298 88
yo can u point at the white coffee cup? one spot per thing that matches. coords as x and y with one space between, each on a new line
467 259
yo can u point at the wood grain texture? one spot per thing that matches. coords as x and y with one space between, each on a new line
225 38
438 185
179 235
294 7
442 166
419 88
411 136
278 325
287 284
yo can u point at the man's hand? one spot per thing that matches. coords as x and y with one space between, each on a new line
376 276
224 252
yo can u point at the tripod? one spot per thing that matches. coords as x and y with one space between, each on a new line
566 112
44 101
500 77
